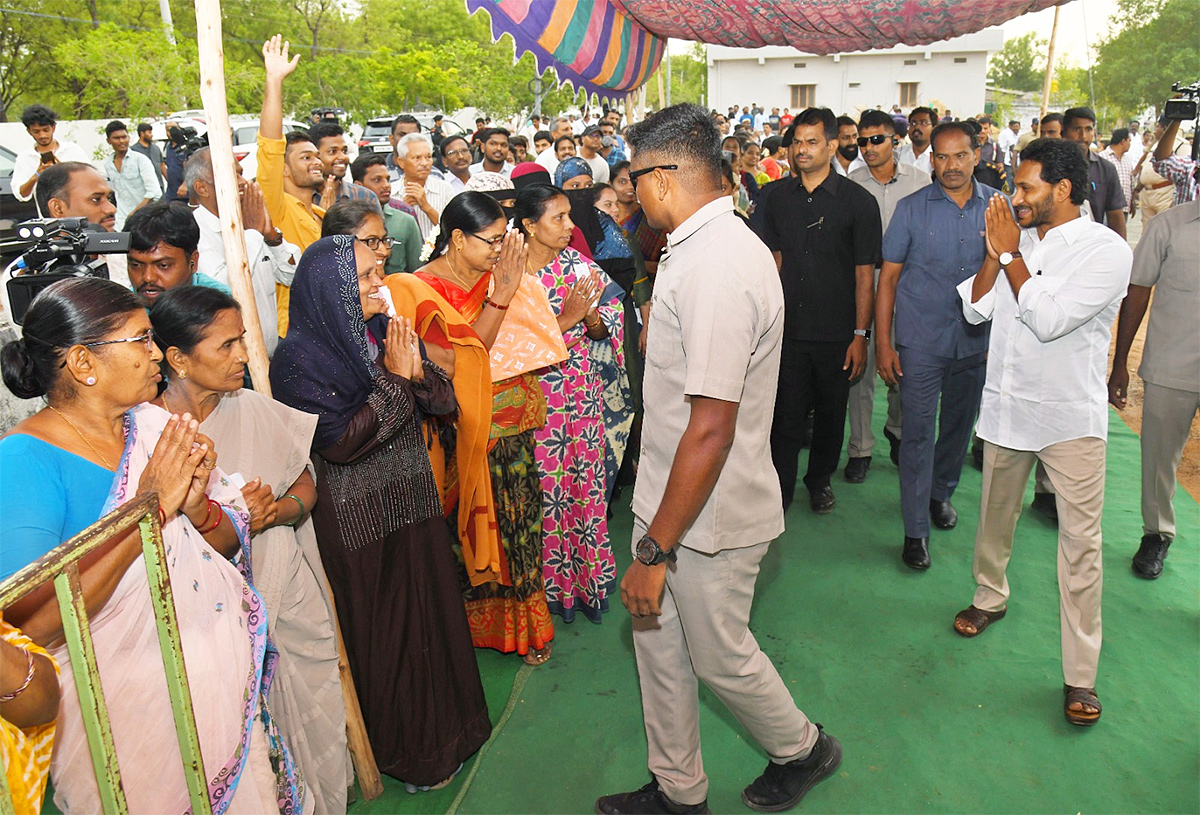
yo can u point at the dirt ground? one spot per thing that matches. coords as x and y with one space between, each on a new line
1189 468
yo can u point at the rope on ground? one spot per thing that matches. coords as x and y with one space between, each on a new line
518 686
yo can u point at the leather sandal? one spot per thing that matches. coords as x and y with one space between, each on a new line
977 618
1086 697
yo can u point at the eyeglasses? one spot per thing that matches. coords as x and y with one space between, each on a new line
460 152
146 339
492 242
636 174
878 138
373 243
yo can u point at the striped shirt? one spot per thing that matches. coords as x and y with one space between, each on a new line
437 192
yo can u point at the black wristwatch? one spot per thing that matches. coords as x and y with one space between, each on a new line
649 553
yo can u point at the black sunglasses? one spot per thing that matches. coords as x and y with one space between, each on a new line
878 138
636 174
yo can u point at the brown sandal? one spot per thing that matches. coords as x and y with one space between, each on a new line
537 656
977 618
1086 697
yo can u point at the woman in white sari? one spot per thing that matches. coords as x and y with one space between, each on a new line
87 347
266 444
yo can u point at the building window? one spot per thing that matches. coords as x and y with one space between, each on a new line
910 62
855 84
804 96
908 94
960 60
799 64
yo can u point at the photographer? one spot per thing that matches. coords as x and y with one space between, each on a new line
1179 170
40 123
74 189
174 158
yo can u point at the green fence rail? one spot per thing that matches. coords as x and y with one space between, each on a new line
62 567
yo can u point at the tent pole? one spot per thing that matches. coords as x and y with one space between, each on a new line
1049 66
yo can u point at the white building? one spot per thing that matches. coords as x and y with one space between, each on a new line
949 75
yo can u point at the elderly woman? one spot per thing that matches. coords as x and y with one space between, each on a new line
266 444
477 267
378 520
579 567
87 348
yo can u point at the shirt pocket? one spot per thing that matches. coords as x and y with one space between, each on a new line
664 344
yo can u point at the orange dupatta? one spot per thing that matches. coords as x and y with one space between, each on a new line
436 321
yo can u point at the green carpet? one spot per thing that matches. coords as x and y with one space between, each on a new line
930 722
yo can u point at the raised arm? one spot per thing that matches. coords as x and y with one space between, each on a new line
278 66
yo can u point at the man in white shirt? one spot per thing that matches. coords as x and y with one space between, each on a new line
416 185
1007 141
1136 148
130 173
40 123
547 158
920 129
589 150
1052 290
272 259
495 153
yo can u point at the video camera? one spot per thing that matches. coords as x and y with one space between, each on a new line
52 249
1184 109
185 139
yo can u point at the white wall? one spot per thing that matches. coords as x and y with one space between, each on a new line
850 83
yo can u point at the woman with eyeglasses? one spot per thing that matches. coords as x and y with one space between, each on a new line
573 446
383 540
87 348
477 266
266 444
399 252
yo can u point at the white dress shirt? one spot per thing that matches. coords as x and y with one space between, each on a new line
477 168
1048 354
437 192
548 159
27 163
268 265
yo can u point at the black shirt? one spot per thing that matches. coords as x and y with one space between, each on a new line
822 236
1104 187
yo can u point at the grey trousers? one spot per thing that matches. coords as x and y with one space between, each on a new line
703 634
934 444
1076 468
1167 416
862 405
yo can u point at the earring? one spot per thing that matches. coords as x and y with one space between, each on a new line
91 380
183 374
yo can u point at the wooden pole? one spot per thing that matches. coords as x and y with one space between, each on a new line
212 93
1049 66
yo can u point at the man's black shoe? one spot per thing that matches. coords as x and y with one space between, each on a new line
649 800
1148 562
1047 505
916 553
781 786
893 440
856 469
822 500
942 514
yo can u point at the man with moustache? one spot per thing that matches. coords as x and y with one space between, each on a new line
920 126
74 189
456 158
495 153
930 246
825 232
547 158
417 186
888 181
330 140
847 158
1051 285
130 173
164 240
1105 196
1050 127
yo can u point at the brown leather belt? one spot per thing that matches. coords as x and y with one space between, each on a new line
1159 185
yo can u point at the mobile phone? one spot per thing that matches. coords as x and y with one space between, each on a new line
48 158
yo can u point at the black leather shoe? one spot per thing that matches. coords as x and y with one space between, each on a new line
916 553
1148 562
822 500
893 440
856 469
781 786
942 514
1046 504
649 800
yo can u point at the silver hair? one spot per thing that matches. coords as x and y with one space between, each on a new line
412 138
198 168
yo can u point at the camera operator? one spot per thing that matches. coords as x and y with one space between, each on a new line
174 158
1179 170
40 123
130 174
74 189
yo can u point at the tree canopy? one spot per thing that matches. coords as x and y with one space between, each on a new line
1020 65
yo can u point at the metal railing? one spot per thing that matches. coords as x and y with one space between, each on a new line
61 566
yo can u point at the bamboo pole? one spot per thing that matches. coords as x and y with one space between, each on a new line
233 236
1049 66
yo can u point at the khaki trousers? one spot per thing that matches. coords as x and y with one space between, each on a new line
1167 416
703 634
861 406
1076 469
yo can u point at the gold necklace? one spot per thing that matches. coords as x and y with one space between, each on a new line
92 447
458 278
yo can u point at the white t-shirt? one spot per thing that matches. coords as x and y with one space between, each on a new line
27 163
599 165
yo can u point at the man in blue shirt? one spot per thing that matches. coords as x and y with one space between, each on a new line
934 242
163 251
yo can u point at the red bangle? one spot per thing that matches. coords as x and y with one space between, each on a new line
162 518
487 301
217 522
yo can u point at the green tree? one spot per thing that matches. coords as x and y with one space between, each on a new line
1020 65
1152 44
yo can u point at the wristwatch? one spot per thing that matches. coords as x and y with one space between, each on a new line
1008 257
275 238
865 333
649 553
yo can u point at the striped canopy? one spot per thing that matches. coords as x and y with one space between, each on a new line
611 47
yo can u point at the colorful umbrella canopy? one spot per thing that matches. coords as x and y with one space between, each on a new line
611 47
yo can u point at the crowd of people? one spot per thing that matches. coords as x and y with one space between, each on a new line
477 343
